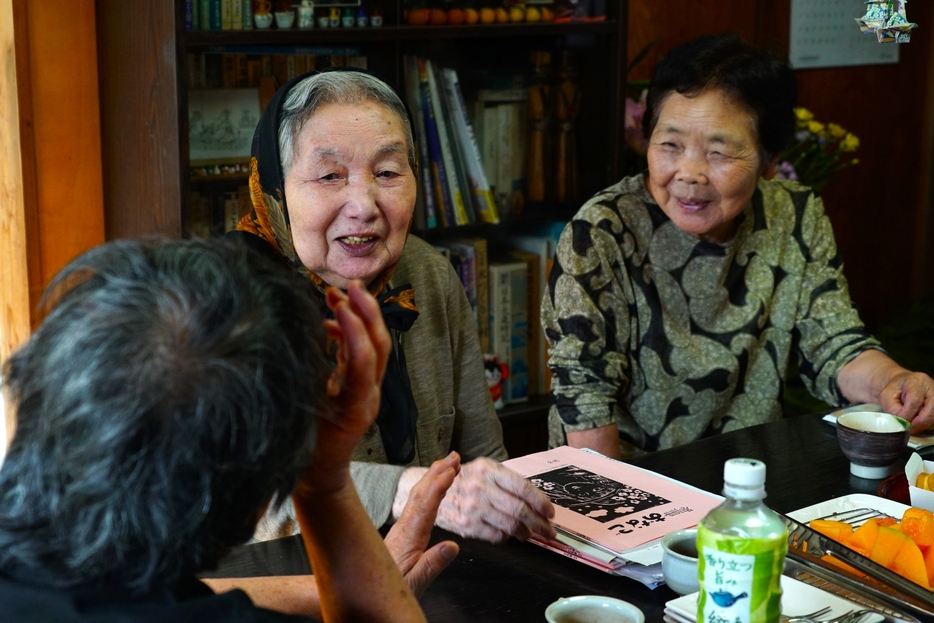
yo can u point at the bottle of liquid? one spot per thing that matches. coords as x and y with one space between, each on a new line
741 551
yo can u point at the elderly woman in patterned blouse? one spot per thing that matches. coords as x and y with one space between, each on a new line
678 296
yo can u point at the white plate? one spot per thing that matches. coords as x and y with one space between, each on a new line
848 503
797 598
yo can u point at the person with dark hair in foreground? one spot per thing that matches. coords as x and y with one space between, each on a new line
174 391
679 295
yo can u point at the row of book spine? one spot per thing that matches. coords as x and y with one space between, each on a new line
505 289
218 14
454 184
224 70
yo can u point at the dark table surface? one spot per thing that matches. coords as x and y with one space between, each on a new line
516 581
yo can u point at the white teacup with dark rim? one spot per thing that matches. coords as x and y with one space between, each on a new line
679 561
593 609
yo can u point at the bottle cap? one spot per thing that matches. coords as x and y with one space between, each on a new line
744 479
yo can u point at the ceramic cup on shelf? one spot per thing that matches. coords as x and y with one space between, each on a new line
593 608
679 561
285 19
263 20
872 441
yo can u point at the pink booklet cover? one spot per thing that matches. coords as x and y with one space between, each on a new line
611 503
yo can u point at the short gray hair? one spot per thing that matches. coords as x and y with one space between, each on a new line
336 87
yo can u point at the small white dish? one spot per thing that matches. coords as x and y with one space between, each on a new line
797 598
849 502
679 561
593 609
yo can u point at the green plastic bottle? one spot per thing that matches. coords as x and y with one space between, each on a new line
741 548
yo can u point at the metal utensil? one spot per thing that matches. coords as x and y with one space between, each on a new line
807 547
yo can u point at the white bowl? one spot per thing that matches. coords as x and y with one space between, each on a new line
263 20
593 609
285 19
679 561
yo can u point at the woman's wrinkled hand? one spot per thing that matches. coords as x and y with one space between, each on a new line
408 537
910 395
491 502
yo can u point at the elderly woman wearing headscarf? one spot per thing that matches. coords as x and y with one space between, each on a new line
333 188
678 295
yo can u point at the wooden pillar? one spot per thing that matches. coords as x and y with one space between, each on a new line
51 197
15 176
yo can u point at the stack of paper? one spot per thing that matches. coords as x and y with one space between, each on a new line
609 514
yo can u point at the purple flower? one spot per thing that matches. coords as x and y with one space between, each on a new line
633 124
786 171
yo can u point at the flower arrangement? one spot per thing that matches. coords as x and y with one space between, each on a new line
817 152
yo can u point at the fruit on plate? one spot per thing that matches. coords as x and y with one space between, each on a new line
905 547
837 530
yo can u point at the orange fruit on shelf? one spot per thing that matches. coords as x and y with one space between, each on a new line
516 14
532 14
547 14
471 16
502 17
437 17
487 15
417 17
456 17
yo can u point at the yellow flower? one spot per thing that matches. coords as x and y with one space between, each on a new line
836 131
815 127
849 142
803 114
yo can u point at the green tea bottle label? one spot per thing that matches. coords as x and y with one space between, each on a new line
740 578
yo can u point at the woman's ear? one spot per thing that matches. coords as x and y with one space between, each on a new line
770 168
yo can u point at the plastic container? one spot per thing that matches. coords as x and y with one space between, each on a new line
741 546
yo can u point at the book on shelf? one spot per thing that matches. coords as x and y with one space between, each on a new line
247 14
447 154
532 306
470 261
226 14
481 194
457 155
500 115
445 205
463 258
509 325
544 248
482 265
425 206
609 514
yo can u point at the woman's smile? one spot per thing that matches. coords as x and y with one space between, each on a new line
704 163
351 192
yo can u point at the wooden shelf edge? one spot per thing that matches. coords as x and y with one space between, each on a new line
196 39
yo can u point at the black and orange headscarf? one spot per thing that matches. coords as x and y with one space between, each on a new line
267 228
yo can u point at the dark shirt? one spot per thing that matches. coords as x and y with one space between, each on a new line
194 603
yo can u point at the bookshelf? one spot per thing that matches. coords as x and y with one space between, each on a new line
143 50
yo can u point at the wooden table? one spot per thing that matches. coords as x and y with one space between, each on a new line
516 581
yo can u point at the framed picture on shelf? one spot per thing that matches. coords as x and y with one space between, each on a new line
221 124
